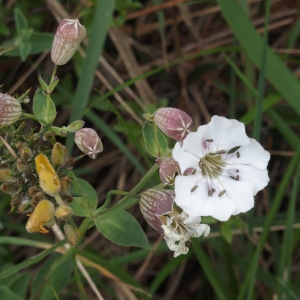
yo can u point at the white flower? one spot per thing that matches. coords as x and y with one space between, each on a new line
229 169
180 228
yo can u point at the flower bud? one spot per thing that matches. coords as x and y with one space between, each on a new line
22 166
173 122
6 175
10 188
26 154
75 126
43 215
63 212
88 142
168 168
10 110
49 181
67 38
155 203
65 184
70 234
59 154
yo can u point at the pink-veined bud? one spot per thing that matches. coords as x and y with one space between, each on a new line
173 122
88 142
68 36
10 110
155 203
168 168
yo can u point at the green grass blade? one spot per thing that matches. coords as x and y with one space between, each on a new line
290 136
249 282
102 18
110 134
261 81
210 272
287 247
30 261
276 72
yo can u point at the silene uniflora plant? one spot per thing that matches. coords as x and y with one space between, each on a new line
209 174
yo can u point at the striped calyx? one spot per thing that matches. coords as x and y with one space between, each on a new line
67 38
173 122
10 110
155 203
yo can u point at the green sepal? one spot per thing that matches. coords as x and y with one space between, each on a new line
155 141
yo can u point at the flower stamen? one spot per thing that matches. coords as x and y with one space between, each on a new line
222 193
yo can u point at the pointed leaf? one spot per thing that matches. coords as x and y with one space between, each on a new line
85 205
122 228
43 107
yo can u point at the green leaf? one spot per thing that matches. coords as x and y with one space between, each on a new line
30 261
21 21
43 107
40 42
155 141
85 205
58 277
7 294
25 48
122 228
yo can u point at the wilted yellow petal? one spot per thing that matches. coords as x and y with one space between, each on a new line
49 181
42 215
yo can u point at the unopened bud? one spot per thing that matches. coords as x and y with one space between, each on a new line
65 184
10 110
22 167
155 203
59 154
75 126
70 234
10 188
168 168
67 38
88 142
173 122
6 175
63 212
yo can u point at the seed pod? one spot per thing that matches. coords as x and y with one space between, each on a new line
67 38
10 110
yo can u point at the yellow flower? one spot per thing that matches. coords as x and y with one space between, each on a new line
49 181
43 215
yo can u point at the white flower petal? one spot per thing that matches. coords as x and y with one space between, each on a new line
220 208
193 202
240 193
226 134
253 155
185 159
259 178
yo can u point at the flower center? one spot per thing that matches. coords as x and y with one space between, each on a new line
211 164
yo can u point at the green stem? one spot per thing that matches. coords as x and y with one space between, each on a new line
124 203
